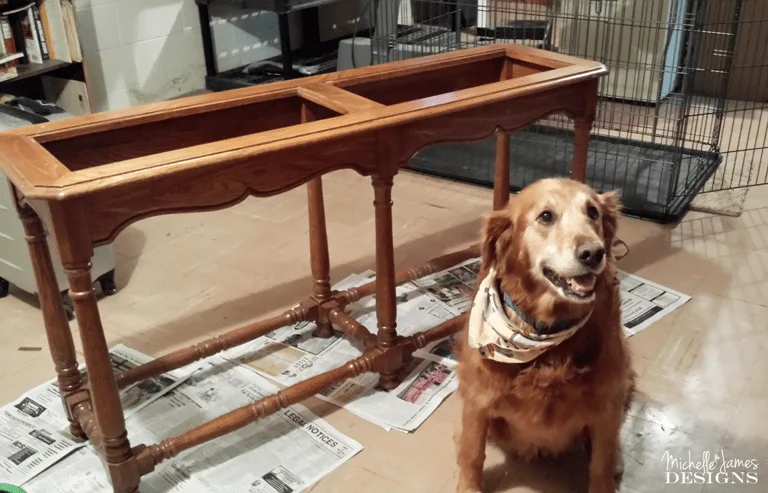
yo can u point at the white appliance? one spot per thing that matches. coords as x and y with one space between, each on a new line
640 41
16 266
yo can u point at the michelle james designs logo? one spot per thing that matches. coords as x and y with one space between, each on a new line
710 468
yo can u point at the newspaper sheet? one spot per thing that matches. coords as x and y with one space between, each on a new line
287 451
35 430
644 302
454 286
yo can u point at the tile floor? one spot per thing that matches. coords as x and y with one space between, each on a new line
703 371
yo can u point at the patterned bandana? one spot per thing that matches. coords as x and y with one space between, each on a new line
502 339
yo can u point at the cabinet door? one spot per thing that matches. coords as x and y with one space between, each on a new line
15 265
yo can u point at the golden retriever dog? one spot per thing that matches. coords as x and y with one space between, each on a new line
543 364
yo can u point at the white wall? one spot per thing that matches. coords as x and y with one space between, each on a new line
138 51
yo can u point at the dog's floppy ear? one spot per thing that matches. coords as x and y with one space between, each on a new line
611 208
497 232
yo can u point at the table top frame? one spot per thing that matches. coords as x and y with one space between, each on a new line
39 175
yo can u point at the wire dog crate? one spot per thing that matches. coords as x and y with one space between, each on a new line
658 133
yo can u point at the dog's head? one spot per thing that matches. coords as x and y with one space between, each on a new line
553 241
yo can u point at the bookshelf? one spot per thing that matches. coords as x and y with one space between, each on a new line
39 37
35 69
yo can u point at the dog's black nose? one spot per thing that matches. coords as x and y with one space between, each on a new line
590 254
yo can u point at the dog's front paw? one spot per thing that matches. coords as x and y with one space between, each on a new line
619 469
608 486
469 487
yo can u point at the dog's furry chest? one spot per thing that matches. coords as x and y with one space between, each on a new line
546 392
544 411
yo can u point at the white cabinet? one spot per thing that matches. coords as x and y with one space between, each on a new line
640 41
15 264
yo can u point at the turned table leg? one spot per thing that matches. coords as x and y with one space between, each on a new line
386 302
318 248
57 330
120 463
582 128
583 118
501 171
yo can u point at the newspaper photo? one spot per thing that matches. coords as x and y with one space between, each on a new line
454 286
27 448
406 407
285 452
440 351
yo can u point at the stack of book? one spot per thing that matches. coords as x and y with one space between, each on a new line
34 31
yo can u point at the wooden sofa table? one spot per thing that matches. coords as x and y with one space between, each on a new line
86 179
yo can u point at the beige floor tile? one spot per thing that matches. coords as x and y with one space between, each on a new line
280 208
34 372
418 460
758 375
757 197
747 431
692 355
146 235
640 364
689 407
380 484
347 478
497 469
646 344
646 459
724 256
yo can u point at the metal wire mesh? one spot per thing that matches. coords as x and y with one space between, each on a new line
669 124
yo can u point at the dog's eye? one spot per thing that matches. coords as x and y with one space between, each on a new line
546 217
592 212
